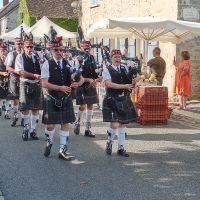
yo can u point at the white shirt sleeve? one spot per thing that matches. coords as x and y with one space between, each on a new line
19 63
45 70
9 59
106 75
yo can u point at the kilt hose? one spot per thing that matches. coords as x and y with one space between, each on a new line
3 88
110 113
58 115
30 96
13 91
86 94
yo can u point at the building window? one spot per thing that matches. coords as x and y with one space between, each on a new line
127 47
131 48
151 47
106 42
94 3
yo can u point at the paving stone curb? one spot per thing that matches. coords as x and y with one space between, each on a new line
186 120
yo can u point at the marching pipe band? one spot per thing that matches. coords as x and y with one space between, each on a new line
48 78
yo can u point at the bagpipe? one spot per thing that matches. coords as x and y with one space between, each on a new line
133 65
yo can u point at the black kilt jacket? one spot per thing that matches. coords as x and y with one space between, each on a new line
30 96
3 81
110 111
87 94
58 106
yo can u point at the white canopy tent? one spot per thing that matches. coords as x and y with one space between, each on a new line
15 33
146 28
43 26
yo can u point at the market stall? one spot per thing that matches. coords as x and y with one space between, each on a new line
151 100
10 36
43 26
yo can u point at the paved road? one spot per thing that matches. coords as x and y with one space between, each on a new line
164 165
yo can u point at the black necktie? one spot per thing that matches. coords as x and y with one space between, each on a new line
59 66
118 69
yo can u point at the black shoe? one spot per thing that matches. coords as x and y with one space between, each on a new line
109 147
0 111
77 128
46 136
15 119
33 135
122 152
7 116
22 122
89 133
3 107
25 133
64 155
48 148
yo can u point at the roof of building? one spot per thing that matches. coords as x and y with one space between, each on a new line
50 8
8 8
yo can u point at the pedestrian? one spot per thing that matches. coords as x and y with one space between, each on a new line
157 65
13 91
86 95
28 67
58 106
4 77
183 86
118 108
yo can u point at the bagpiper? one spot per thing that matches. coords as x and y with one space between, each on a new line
28 67
118 108
86 95
4 77
13 91
58 106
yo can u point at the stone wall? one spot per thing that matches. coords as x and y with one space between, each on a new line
127 8
135 8
12 20
190 10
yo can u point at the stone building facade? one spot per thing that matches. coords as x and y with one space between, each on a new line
8 16
190 10
94 10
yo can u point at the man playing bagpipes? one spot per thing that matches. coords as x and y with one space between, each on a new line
13 92
86 95
28 67
58 107
118 108
4 78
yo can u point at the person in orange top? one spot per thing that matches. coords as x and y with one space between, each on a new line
183 79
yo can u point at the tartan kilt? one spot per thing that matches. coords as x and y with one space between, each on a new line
30 101
13 91
54 115
3 89
86 95
110 113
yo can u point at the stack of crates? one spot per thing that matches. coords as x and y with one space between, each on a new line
152 105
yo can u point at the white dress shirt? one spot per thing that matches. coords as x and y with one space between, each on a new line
106 74
45 68
19 66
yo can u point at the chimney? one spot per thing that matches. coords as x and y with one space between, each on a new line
5 2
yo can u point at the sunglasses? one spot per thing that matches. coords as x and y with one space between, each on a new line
19 43
29 47
58 50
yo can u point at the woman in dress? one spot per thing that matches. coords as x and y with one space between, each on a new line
183 79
